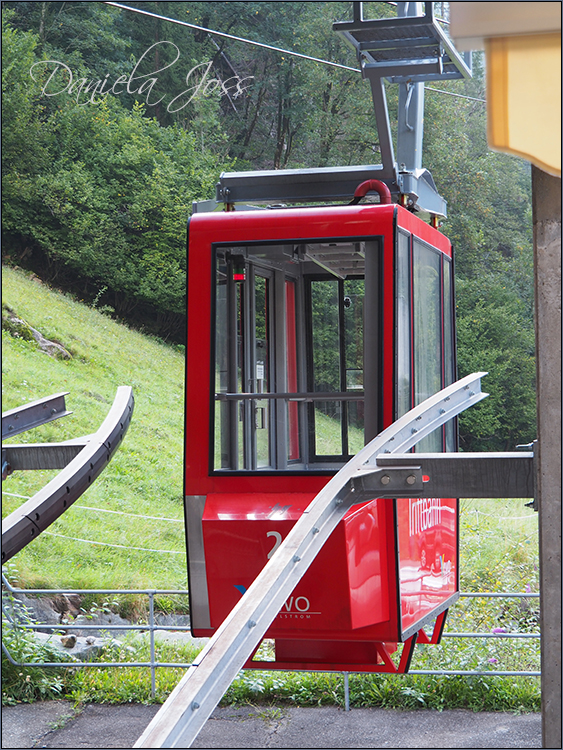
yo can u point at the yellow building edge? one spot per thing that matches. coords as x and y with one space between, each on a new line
524 98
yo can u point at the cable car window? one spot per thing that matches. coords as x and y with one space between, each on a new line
289 355
403 313
240 361
353 313
222 446
427 332
293 449
449 352
261 370
325 350
336 367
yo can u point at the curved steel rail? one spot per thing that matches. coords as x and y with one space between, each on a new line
83 460
190 704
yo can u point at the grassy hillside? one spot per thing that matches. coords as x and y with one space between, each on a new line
145 476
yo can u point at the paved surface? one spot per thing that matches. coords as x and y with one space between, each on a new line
57 724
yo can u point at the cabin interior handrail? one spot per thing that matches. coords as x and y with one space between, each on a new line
301 396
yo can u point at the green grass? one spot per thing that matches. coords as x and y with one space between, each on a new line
483 693
499 540
145 476
131 684
387 691
328 436
499 548
27 684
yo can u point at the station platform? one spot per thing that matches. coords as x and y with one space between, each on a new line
58 724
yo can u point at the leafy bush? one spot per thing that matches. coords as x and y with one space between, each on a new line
25 684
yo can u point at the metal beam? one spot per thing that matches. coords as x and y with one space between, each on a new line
296 185
458 475
34 414
411 36
190 704
34 516
383 126
410 126
309 396
546 203
30 456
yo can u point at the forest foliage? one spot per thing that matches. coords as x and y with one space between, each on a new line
97 189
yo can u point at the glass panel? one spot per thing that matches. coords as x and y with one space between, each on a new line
353 316
326 365
326 344
328 434
293 453
355 427
448 327
427 333
403 326
449 374
242 407
222 443
261 382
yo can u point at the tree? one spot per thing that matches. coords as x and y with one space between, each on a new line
23 148
494 335
88 34
106 209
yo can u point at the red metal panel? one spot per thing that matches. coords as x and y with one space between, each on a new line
427 531
332 656
198 362
419 228
367 558
347 593
388 358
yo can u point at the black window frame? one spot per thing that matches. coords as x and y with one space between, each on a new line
310 462
451 441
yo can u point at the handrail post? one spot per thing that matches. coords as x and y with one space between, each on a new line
346 691
153 660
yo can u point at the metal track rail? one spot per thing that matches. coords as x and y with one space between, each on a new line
82 461
191 703
33 414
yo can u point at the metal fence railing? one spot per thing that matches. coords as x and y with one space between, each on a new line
151 626
12 619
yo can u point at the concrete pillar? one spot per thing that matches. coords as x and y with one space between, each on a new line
546 198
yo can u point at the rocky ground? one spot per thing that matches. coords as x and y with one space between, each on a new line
65 627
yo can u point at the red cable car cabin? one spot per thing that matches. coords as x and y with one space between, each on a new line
309 331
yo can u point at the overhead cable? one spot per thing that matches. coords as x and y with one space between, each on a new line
105 510
120 546
234 38
267 46
451 93
134 515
